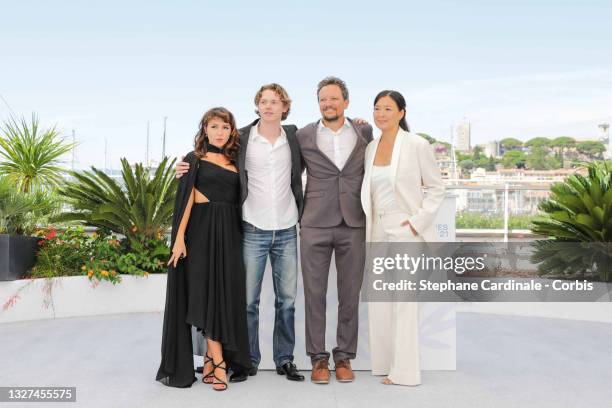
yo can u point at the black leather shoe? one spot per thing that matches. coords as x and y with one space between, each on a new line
241 375
290 371
238 376
199 370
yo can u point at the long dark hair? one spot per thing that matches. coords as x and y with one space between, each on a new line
230 150
399 101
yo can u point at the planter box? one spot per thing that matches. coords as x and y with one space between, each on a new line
72 296
17 255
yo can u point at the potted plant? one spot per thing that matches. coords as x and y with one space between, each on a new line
139 209
576 227
19 214
29 164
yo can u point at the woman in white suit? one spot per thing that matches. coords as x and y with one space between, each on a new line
398 165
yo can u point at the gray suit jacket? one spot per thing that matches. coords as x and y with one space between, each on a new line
332 195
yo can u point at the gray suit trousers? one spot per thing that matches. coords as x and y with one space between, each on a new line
316 246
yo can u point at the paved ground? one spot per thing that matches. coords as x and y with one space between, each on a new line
502 361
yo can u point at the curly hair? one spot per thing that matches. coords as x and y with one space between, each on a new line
230 150
278 90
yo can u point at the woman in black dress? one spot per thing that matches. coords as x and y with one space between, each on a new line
206 276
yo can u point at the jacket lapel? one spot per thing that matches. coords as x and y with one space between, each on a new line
294 146
245 133
395 156
358 143
367 177
316 146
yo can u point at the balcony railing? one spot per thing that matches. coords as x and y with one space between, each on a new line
500 207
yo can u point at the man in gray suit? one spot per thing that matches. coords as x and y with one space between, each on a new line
332 220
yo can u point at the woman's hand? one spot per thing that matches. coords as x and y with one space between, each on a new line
178 251
414 232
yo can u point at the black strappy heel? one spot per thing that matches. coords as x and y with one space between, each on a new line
215 366
208 359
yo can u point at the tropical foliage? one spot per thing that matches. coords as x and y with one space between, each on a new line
579 210
30 156
61 253
143 205
100 256
21 212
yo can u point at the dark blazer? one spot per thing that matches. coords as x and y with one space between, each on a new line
296 170
332 195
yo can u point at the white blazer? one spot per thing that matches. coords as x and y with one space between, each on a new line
413 166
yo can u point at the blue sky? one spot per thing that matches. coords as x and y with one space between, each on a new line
520 68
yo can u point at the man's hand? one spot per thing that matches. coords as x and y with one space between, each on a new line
182 167
414 232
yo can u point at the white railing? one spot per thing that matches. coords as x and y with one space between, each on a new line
503 190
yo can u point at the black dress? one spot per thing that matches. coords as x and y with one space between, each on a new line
207 289
215 267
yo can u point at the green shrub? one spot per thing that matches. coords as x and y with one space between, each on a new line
61 253
101 256
579 210
20 212
468 220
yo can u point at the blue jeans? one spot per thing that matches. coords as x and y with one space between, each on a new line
281 246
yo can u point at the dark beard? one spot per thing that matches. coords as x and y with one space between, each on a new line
331 119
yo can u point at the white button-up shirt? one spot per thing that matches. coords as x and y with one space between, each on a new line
270 204
338 145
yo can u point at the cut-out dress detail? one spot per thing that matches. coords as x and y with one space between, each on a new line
214 265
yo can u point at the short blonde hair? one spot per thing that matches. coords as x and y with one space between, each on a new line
278 90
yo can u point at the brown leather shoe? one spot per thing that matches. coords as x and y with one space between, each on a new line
344 372
320 372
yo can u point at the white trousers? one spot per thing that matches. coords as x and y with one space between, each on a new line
394 326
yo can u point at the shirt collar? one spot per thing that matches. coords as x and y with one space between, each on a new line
346 125
254 134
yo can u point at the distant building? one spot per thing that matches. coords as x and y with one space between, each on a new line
483 192
462 131
492 149
445 164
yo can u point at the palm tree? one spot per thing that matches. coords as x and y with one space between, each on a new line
143 207
577 225
31 155
21 212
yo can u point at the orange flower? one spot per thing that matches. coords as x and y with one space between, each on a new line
104 273
134 228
